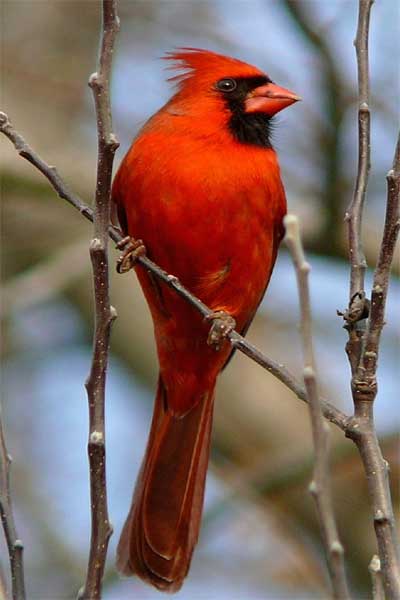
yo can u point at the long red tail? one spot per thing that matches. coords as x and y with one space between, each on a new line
163 524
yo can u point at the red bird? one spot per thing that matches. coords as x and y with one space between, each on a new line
201 187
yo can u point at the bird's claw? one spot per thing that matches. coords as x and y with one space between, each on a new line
132 249
222 325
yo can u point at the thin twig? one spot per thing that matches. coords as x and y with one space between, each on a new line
320 485
14 544
354 212
374 569
49 171
101 529
334 415
357 311
380 284
363 344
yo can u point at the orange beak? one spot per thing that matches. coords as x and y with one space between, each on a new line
269 99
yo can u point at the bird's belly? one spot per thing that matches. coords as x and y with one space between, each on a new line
221 250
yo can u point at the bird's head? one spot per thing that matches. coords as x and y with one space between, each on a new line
221 89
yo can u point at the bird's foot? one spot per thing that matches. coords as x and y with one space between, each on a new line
132 249
222 325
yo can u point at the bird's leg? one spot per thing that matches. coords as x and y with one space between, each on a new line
132 249
222 325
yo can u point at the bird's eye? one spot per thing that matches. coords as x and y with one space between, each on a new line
226 85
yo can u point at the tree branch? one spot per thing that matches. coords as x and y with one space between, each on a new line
14 544
278 370
361 428
374 569
363 345
320 485
380 284
101 529
354 213
358 306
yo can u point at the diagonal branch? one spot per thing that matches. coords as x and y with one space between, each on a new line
278 370
320 485
380 284
14 545
101 529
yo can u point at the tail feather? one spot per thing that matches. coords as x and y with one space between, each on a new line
163 524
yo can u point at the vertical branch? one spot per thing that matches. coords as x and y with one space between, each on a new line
376 578
104 312
358 310
320 485
354 213
361 428
363 344
14 545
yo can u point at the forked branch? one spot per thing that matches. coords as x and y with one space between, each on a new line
363 344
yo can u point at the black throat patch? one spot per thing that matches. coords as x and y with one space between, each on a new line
252 128
248 128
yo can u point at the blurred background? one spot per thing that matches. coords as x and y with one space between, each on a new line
260 537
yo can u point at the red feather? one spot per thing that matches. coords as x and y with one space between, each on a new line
209 210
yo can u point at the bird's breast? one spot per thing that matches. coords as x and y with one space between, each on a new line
210 217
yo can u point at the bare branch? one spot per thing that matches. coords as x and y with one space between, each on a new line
363 345
48 171
320 485
279 371
104 312
376 578
358 306
382 272
361 427
14 544
354 213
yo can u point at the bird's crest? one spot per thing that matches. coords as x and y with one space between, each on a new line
204 64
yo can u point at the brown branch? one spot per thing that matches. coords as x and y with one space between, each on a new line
49 171
380 284
278 370
320 485
354 213
14 544
374 569
357 310
101 529
363 345
364 388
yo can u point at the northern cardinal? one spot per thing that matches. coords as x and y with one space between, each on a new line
201 187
